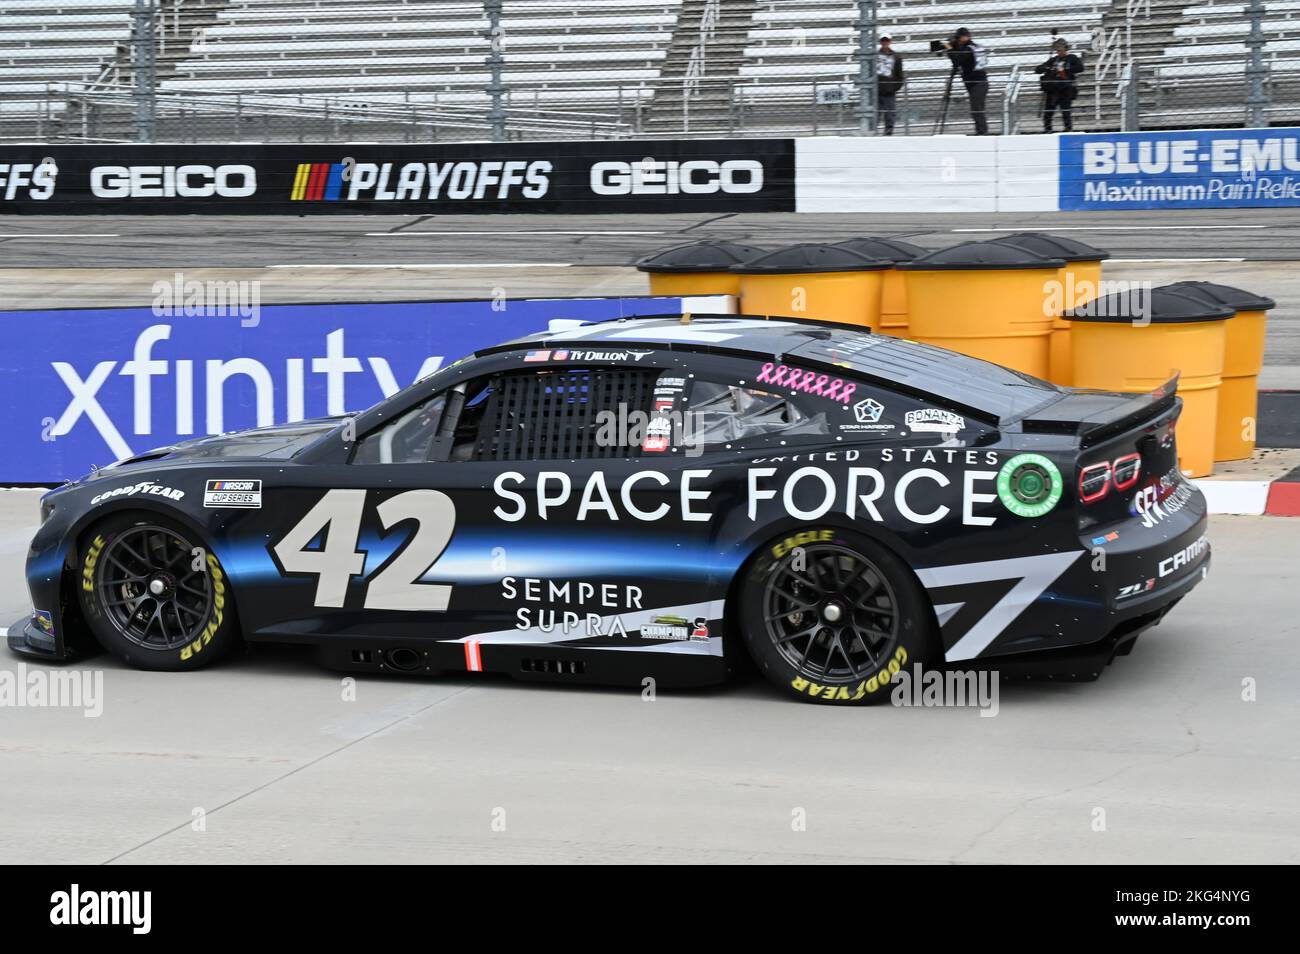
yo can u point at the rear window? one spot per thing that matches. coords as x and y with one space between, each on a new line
948 376
730 413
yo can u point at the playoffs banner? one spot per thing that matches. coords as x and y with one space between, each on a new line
744 175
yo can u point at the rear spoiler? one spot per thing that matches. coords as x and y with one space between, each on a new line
1095 416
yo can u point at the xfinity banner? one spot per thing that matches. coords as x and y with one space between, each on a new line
1192 169
83 388
743 175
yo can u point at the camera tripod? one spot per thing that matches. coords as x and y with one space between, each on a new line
942 121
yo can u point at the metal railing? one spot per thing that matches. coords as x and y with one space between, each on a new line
105 114
178 70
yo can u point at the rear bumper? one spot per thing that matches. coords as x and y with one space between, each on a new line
1158 572
1087 661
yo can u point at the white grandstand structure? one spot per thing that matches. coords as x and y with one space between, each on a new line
420 69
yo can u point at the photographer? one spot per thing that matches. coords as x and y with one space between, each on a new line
972 60
889 80
1058 81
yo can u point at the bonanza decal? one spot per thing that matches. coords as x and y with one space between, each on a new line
934 420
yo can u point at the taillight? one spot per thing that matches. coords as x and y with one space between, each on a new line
1094 482
1126 470
1097 480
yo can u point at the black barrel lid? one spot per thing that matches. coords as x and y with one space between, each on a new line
1164 305
698 257
809 258
1055 246
974 256
885 249
1237 299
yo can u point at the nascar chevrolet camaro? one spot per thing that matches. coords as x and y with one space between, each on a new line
652 498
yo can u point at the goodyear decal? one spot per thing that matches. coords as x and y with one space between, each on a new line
218 610
861 690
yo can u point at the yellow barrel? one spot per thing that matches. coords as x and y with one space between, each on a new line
986 300
1080 282
1243 357
893 288
813 281
701 268
1134 342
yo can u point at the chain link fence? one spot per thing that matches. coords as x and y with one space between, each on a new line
429 70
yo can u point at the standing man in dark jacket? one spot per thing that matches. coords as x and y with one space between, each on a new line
972 60
889 80
1057 77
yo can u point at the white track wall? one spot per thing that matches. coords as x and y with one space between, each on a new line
935 174
1179 169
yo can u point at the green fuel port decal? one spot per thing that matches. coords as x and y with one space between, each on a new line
1029 485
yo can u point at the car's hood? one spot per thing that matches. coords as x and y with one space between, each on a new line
278 442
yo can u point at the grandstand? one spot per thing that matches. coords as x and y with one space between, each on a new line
419 55
39 50
421 69
805 53
1204 65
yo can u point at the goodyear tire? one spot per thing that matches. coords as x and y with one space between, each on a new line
831 616
153 596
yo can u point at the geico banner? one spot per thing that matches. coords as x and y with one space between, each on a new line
751 175
83 388
1189 169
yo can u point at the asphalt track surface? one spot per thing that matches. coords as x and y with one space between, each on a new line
1163 748
99 261
257 241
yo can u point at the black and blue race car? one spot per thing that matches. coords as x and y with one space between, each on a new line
650 498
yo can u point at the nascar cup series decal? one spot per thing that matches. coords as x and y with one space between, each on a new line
246 494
